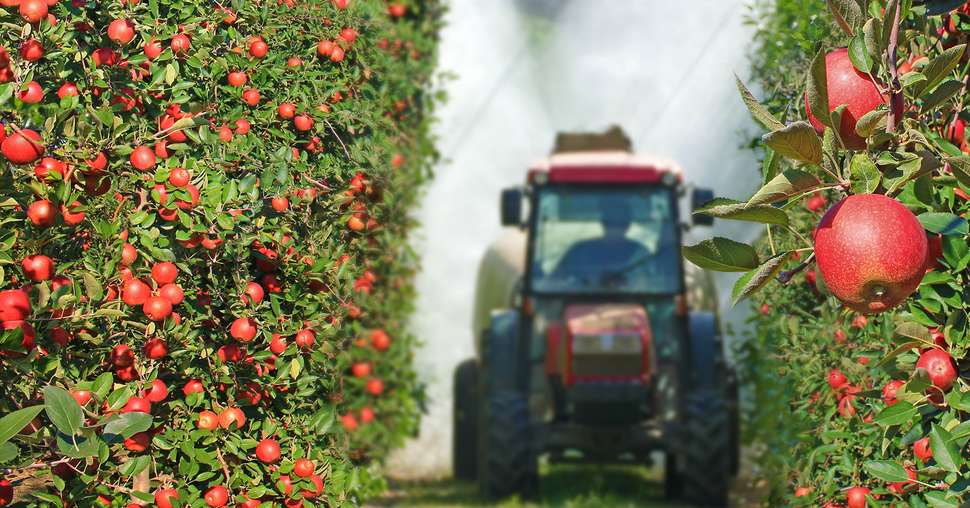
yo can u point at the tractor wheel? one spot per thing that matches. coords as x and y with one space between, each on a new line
705 463
464 451
507 464
673 486
734 416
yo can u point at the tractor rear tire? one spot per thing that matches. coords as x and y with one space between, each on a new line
464 451
507 462
673 486
734 422
706 456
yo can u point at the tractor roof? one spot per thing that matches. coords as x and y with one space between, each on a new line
604 167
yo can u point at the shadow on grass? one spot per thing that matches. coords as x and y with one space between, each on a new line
561 487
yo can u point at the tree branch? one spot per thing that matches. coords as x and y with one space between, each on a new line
896 90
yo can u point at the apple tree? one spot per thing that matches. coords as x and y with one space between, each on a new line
204 267
858 284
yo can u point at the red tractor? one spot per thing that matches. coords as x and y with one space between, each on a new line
595 342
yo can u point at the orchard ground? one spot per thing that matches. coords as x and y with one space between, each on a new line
568 486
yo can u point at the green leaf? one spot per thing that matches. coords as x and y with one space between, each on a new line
92 287
888 20
769 165
864 173
171 72
756 279
886 470
102 385
961 168
894 180
871 122
798 142
14 422
900 412
946 91
323 419
872 33
787 184
78 446
889 357
8 452
847 13
944 223
914 331
939 68
724 208
938 499
722 255
63 411
758 111
104 115
127 425
859 54
945 451
135 466
817 89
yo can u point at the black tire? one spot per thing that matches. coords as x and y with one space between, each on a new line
673 486
705 446
734 416
464 451
507 464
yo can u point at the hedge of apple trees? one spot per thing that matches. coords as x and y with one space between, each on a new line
859 282
203 217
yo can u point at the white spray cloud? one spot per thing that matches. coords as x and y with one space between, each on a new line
662 70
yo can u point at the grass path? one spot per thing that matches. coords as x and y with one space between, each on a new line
561 487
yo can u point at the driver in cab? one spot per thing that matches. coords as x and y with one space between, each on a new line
612 251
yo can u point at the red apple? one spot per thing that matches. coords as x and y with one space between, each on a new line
847 86
871 251
940 367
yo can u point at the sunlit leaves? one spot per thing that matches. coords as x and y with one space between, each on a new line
797 141
724 208
722 255
756 279
789 183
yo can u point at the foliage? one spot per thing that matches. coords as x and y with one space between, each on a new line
787 33
308 217
819 440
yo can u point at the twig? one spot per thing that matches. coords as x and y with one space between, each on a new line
142 200
786 277
317 183
225 467
342 145
896 102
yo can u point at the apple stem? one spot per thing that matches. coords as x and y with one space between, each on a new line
771 240
786 277
896 100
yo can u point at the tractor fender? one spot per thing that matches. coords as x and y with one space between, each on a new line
704 351
500 350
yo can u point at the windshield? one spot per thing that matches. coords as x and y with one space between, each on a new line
605 239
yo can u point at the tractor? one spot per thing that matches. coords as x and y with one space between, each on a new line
595 342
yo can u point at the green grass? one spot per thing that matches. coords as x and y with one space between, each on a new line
561 487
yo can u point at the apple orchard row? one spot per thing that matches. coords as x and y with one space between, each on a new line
869 249
202 252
